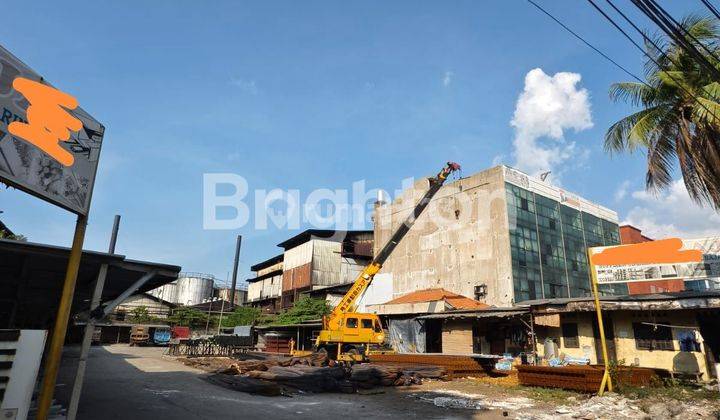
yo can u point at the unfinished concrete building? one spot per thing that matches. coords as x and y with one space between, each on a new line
498 236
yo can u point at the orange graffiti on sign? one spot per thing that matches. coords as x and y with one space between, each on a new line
664 251
48 123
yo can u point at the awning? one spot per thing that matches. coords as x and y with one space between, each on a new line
506 313
32 276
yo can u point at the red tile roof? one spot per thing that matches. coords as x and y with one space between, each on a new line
432 295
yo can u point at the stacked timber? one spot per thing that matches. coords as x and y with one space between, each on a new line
370 375
304 378
245 384
313 373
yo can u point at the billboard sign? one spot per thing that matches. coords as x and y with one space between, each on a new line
686 259
63 176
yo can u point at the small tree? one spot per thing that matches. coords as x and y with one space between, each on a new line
305 309
140 314
188 317
242 315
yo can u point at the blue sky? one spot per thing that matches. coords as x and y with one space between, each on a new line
306 95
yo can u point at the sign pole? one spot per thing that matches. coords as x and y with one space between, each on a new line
90 327
606 381
52 363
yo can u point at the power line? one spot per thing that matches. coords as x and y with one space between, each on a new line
667 24
602 12
712 8
647 39
587 43
687 33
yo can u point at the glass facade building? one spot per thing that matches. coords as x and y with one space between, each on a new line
549 242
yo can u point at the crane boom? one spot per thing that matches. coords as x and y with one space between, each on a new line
349 301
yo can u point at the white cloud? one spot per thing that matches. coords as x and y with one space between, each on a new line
248 86
622 190
545 109
447 78
672 214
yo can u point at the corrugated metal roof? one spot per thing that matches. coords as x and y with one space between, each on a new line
487 313
267 263
430 295
305 236
687 294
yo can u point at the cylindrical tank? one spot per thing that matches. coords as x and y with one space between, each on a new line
194 288
167 292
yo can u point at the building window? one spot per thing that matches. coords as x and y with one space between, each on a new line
651 337
570 336
480 291
688 341
524 204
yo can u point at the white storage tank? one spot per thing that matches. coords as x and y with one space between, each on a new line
167 292
194 288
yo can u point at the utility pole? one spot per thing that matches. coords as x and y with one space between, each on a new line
235 270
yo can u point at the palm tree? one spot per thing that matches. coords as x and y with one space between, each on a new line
680 118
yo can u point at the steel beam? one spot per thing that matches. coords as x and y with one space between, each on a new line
105 311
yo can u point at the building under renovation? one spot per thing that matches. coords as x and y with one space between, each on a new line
499 236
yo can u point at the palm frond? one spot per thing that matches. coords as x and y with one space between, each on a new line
707 111
635 130
638 94
702 28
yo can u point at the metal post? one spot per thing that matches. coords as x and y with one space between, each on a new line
235 270
90 327
113 235
54 354
606 381
207 324
222 307
534 340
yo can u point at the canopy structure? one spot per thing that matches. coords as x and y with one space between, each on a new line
32 274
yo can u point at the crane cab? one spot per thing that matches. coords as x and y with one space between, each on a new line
351 340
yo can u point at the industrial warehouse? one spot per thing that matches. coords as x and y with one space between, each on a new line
466 210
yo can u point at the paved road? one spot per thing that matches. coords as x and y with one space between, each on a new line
138 383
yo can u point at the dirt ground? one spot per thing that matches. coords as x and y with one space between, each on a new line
141 383
486 397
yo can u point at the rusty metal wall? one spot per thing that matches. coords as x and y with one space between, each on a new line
296 278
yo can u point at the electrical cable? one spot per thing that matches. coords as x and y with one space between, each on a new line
687 33
647 39
712 8
655 13
587 43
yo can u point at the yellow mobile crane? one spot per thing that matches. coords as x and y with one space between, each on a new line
348 335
